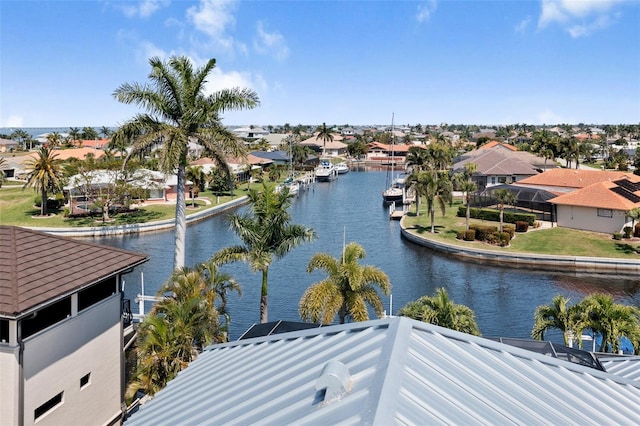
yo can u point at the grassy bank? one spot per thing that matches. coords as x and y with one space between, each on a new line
560 241
17 208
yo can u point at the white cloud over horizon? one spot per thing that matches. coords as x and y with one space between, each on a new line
425 10
578 17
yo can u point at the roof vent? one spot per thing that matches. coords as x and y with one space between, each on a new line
334 379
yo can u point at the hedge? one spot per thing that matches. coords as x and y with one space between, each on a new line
494 215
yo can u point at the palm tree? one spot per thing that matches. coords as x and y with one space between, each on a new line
44 175
105 132
468 187
634 214
220 284
266 233
178 111
441 311
503 197
3 164
196 175
611 320
557 315
74 134
346 291
54 140
436 188
21 136
324 134
417 158
177 329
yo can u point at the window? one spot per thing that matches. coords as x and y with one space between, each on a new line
47 406
4 330
84 380
100 291
502 179
605 213
46 317
493 180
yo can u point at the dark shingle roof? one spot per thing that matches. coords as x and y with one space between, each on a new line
36 267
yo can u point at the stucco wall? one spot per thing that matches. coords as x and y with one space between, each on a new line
587 219
56 359
8 384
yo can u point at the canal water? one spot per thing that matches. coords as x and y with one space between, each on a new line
503 298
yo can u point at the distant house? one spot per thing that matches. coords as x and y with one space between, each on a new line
498 163
94 143
78 153
7 145
250 132
331 148
383 153
385 372
61 329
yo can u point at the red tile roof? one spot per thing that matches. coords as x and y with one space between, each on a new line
570 178
493 144
37 268
600 195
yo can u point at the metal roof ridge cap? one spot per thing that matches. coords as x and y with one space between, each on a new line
387 391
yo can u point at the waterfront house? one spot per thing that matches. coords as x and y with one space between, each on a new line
381 153
61 329
601 206
498 163
331 148
8 145
387 371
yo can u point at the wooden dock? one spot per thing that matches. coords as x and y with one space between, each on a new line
396 214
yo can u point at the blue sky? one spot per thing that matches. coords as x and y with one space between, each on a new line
339 62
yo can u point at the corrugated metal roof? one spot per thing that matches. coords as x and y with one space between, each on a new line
401 372
623 366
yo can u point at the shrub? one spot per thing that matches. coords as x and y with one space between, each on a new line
483 231
503 238
469 235
494 215
66 212
460 235
37 200
509 229
617 235
522 226
627 231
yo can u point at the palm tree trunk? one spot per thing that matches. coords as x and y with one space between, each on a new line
180 221
468 199
264 302
43 203
501 216
432 212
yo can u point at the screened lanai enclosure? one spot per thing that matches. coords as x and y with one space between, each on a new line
530 199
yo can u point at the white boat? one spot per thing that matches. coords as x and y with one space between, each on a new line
292 185
395 187
342 168
326 171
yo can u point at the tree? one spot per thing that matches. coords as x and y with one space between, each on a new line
54 140
347 290
180 325
324 135
179 111
266 233
89 133
503 197
611 320
105 132
417 158
467 187
44 175
74 134
22 137
3 164
220 283
441 311
557 315
196 175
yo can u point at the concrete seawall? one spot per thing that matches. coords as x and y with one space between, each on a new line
554 263
136 228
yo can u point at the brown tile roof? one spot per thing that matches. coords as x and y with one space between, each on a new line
79 153
570 178
36 267
398 147
493 144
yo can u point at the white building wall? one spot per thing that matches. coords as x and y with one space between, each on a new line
56 359
591 219
9 375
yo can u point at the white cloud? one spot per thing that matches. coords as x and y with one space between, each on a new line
13 121
270 43
218 80
549 117
143 9
425 11
578 17
215 18
522 25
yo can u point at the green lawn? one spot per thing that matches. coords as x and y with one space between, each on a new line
559 241
17 208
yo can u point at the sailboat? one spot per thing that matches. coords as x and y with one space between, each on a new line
395 187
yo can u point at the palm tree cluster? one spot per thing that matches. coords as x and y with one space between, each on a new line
442 311
181 325
179 112
44 174
596 312
347 291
